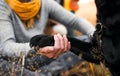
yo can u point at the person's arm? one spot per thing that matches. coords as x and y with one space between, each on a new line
8 45
65 17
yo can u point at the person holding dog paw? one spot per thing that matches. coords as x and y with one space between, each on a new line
20 20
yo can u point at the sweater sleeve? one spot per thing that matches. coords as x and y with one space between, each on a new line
8 44
69 19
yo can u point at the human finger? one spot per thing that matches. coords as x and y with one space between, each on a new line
61 39
65 43
57 43
47 49
69 46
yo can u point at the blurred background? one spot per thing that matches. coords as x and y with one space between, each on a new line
82 8
87 10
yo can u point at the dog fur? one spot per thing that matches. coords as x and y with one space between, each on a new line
108 14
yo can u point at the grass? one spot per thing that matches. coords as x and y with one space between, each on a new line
88 69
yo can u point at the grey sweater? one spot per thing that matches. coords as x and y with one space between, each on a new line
14 37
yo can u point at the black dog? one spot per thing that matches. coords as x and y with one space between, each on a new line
108 14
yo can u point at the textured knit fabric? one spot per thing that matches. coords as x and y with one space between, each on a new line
26 11
14 37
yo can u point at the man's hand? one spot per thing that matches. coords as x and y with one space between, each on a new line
61 45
